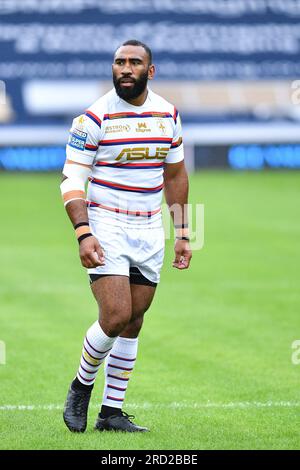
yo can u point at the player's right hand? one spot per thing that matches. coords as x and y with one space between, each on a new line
91 253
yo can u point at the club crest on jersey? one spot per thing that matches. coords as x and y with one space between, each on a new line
142 127
139 153
161 126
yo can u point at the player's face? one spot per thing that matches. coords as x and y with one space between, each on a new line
131 71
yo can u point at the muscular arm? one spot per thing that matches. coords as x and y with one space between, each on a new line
90 251
176 193
76 209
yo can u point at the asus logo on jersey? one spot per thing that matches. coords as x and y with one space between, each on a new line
143 152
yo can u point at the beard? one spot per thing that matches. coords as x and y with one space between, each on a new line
130 93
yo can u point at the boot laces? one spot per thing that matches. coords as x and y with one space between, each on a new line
80 403
127 416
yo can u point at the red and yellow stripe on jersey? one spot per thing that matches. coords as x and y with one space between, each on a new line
117 138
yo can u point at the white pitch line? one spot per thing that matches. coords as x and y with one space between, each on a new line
173 405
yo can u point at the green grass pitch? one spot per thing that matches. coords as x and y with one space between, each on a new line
214 368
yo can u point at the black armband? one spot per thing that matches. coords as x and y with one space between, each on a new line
82 237
80 224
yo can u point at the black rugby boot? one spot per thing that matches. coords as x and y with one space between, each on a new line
76 408
118 422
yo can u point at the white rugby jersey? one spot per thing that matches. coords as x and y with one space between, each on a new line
127 147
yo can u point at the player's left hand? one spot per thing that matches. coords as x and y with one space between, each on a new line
183 254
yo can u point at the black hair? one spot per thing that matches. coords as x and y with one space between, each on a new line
135 42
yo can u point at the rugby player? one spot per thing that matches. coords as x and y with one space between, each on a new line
128 144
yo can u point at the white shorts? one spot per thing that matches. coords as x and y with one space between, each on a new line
129 246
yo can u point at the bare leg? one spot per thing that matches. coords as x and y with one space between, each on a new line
113 296
141 299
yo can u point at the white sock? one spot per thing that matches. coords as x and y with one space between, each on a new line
96 346
118 368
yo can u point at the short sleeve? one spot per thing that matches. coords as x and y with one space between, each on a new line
175 153
84 138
